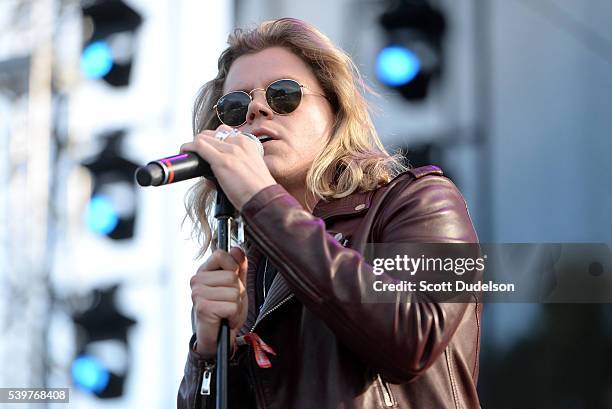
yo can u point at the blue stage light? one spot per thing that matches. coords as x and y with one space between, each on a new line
89 374
97 60
397 66
100 215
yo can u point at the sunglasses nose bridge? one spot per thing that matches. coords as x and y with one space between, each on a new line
256 106
255 89
252 96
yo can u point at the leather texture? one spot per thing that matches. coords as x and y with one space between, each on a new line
331 350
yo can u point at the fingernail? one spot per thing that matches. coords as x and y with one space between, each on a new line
238 246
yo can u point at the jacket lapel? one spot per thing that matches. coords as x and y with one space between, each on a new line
279 290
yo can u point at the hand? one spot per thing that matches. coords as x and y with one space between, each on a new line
218 291
236 163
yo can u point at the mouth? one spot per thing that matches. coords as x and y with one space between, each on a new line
264 138
264 135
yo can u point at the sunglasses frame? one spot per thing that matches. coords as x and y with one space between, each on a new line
265 90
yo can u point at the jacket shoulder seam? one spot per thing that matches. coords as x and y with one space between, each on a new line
425 170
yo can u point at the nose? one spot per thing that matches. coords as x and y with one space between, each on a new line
258 107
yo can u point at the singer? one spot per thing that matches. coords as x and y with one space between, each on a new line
324 187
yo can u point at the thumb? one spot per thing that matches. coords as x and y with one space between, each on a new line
241 259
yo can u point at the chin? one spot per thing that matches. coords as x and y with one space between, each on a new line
281 174
275 171
282 171
275 164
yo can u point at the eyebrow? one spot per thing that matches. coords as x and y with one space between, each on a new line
241 88
247 89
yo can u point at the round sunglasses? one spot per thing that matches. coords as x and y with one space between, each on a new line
283 97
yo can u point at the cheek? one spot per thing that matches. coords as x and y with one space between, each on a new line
315 130
311 141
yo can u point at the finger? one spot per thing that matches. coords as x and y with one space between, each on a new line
201 144
190 146
247 143
241 259
213 132
214 278
228 294
220 260
220 146
201 147
224 128
226 278
214 311
187 147
238 255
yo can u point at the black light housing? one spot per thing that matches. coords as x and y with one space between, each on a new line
114 201
109 40
415 31
101 325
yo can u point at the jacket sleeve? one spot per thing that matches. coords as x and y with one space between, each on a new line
402 338
189 396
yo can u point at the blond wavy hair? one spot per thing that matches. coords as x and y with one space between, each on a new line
353 159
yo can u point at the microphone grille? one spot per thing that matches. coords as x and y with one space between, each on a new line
257 142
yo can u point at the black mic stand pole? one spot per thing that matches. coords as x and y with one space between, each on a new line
224 213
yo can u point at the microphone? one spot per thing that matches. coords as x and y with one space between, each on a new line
176 168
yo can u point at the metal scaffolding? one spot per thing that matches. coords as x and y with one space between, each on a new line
26 138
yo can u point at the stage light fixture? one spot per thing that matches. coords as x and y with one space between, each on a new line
102 362
109 43
112 208
412 57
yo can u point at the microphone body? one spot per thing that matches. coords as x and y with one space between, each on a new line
173 169
180 167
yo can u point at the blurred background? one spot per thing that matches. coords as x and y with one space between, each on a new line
512 98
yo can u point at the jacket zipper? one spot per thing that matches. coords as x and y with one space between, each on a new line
206 379
387 396
270 311
257 390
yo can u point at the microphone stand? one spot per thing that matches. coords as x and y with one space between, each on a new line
162 172
224 213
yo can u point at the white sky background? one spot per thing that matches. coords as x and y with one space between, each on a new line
178 47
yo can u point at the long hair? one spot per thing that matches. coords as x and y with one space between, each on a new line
353 159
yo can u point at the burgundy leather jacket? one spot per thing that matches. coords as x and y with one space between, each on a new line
331 353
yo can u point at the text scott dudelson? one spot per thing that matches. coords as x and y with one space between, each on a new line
445 286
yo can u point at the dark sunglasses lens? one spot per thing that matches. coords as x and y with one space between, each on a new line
284 96
232 108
